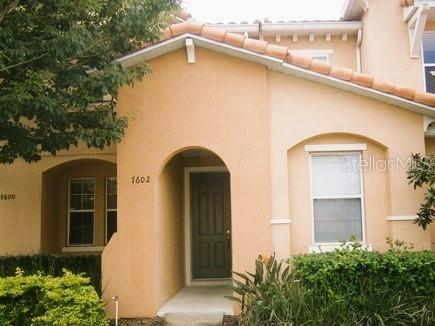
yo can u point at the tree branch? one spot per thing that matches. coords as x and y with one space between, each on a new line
25 62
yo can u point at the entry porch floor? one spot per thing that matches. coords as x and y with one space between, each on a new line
200 299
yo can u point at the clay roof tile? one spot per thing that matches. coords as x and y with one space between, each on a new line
255 45
216 34
425 98
341 73
234 39
362 79
299 60
403 91
281 52
321 67
276 51
178 29
194 28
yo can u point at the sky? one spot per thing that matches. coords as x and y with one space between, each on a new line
214 11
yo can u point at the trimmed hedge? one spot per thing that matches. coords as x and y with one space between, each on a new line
47 264
347 287
352 270
39 300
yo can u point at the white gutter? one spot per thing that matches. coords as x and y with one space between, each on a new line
293 27
274 64
358 50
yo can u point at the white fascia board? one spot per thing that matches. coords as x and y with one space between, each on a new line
324 27
293 27
154 51
274 64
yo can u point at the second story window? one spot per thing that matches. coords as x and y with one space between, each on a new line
429 61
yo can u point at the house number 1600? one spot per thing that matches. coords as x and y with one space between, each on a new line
135 179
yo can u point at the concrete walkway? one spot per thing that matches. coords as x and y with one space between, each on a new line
201 300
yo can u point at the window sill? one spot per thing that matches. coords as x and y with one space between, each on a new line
329 247
83 249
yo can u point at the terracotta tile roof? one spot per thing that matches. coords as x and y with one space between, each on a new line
406 3
282 53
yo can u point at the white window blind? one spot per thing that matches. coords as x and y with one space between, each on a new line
337 197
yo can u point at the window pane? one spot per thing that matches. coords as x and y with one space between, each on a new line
429 47
88 186
111 201
76 186
337 219
88 202
81 228
112 224
75 202
336 175
111 185
430 79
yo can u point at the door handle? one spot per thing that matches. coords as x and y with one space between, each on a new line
229 237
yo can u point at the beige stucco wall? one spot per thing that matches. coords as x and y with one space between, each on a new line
344 53
20 219
385 45
210 104
298 114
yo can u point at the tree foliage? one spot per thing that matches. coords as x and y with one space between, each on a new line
58 61
421 174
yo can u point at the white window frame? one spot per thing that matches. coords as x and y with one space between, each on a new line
79 211
423 64
332 152
324 53
109 209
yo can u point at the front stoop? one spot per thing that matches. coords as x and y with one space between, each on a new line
193 319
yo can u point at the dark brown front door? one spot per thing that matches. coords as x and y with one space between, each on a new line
211 225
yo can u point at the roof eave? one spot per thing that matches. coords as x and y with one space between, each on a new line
274 64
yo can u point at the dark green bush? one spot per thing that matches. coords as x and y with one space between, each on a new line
47 264
347 287
353 269
39 300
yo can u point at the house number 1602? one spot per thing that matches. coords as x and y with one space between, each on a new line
135 179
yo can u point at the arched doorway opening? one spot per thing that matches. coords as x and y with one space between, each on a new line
79 206
193 223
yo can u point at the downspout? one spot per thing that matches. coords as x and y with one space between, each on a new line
358 50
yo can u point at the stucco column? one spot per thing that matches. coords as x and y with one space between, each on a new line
280 217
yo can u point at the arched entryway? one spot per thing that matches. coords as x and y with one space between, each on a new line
79 206
194 224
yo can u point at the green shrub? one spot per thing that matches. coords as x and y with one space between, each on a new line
347 287
47 264
353 269
39 300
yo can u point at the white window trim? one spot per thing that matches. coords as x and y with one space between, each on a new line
424 65
326 53
336 148
78 211
334 245
106 210
328 247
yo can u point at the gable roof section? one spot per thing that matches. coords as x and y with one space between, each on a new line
278 58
